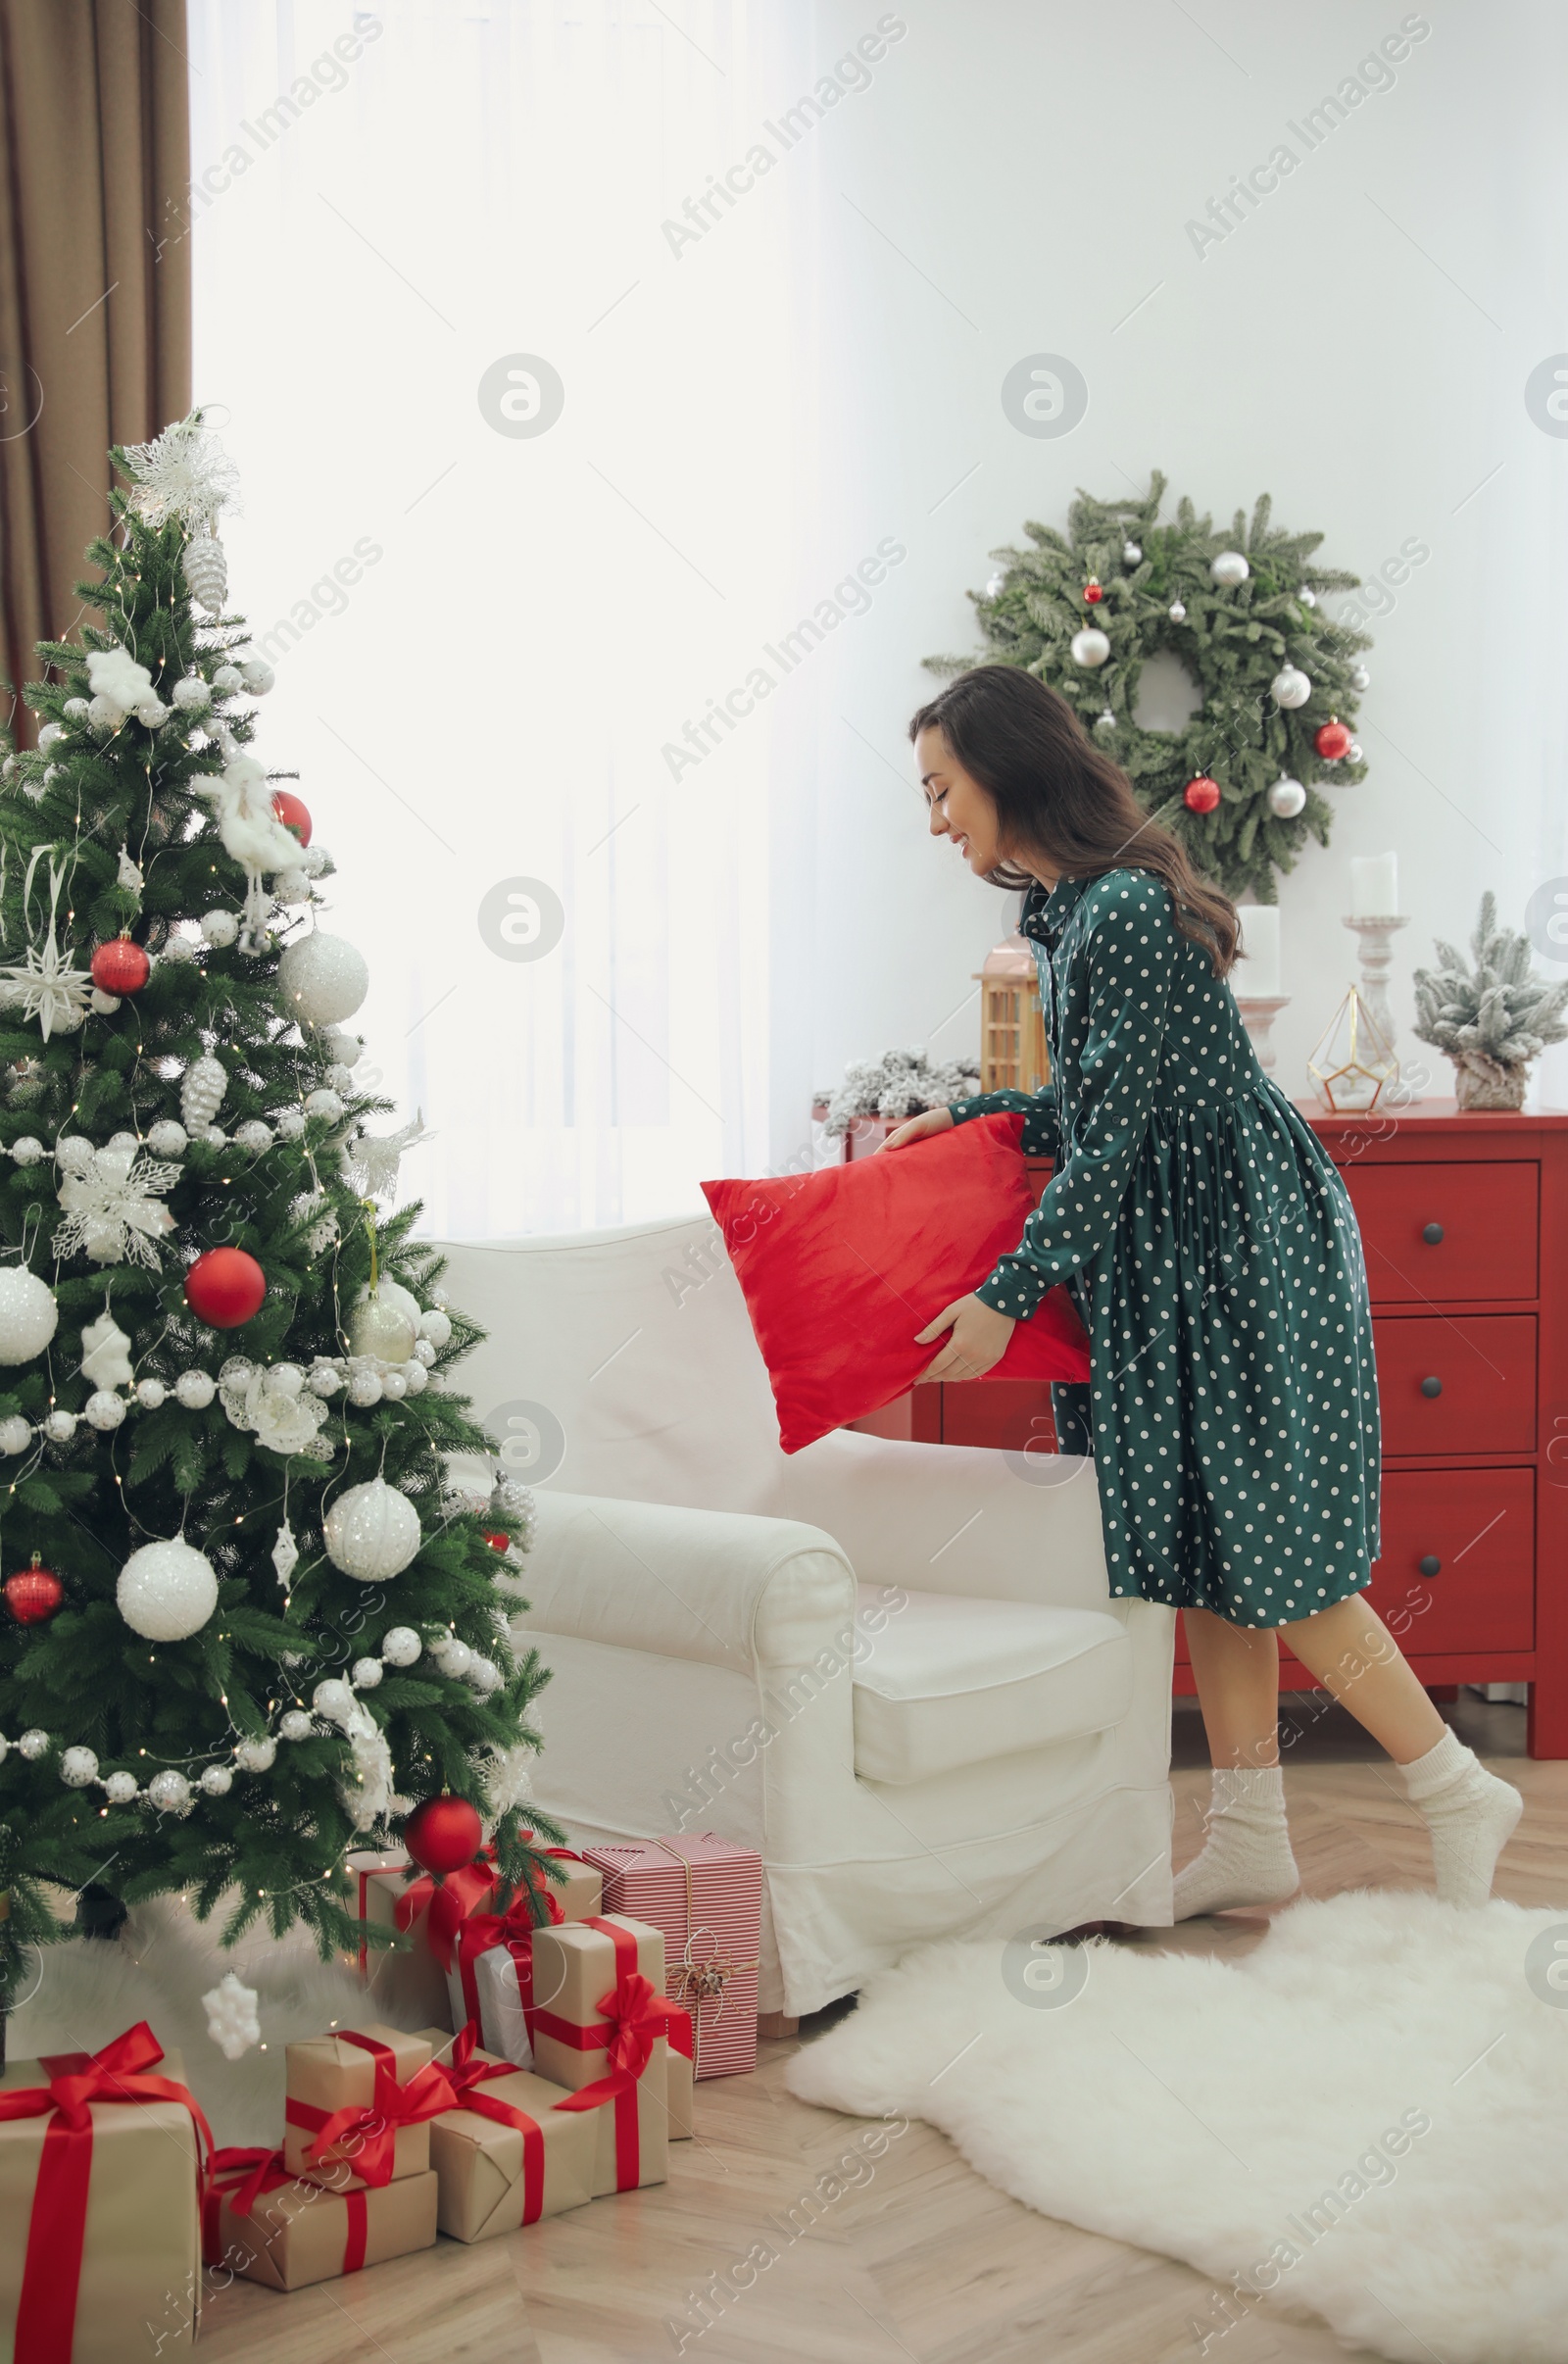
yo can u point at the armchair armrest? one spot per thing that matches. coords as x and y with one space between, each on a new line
954 1518
724 1586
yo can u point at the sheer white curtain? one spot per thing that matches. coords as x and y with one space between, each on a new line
486 640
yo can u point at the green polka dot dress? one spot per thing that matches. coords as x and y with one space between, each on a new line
1214 1256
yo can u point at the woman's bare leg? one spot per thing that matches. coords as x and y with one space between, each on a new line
1355 1656
1236 1671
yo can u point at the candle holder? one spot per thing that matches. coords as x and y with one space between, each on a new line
1258 1013
1377 957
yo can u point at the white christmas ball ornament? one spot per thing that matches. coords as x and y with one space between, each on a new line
169 1793
218 1780
150 1393
119 1788
192 694
167 1591
219 928
324 1103
323 979
453 1656
105 1410
1360 679
106 1003
333 1699
256 1756
77 1767
424 1349
76 709
485 1675
60 1427
401 1646
1177 611
290 1123
1289 686
415 1378
1090 647
394 1387
295 1724
34 1744
1354 753
28 1150
29 1315
167 1138
105 715
364 1387
384 1322
253 1134
324 1380
152 713
74 1154
1308 597
366 1673
16 1434
195 1389
257 676
1132 554
371 1532
228 678
435 1328
1229 568
1286 799
50 733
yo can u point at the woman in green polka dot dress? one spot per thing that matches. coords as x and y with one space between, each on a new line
1212 1252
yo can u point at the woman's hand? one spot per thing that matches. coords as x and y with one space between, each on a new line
978 1336
915 1128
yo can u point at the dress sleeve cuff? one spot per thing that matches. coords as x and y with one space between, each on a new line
1014 1289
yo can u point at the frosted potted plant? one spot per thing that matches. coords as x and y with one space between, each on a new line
1491 1020
878 1094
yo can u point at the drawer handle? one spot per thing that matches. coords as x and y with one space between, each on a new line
1431 1387
1431 1564
1432 1233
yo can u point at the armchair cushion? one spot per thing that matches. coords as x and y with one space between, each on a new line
843 1266
948 1681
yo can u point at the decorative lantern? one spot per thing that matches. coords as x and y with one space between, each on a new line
1013 1026
1354 1060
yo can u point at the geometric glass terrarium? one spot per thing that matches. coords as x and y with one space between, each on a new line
1354 1060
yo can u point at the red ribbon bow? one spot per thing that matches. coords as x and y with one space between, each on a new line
634 2016
513 1928
467 2076
243 2176
365 2139
450 1902
46 2311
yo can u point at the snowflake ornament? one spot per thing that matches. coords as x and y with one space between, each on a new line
184 473
285 1554
508 1779
231 2016
114 1208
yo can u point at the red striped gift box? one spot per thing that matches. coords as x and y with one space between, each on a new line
706 1894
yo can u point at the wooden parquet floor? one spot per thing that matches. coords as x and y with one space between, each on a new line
923 2261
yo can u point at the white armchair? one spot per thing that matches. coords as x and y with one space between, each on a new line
894 1669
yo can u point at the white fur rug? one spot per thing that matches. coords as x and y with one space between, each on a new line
89 1990
1232 2114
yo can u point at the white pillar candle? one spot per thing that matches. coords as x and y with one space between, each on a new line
1259 971
1374 886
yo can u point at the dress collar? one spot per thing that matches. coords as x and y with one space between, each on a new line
1045 912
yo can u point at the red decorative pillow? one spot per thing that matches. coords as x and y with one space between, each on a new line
841 1268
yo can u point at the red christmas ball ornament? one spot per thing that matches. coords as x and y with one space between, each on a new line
120 966
443 1834
1093 592
224 1288
1332 740
33 1594
498 1542
1201 794
294 813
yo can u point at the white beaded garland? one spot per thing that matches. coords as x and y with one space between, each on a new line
34 1744
16 1434
119 1788
333 1699
290 1123
191 694
168 1138
253 1134
256 1756
484 1674
323 1102
195 1390
295 1725
366 1673
371 1532
401 1646
436 1327
228 678
257 676
77 1767
60 1427
150 1393
394 1387
105 1410
166 1590
453 1656
27 1150
217 1781
364 1387
219 928
169 1793
322 978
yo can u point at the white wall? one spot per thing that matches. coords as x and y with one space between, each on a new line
1358 347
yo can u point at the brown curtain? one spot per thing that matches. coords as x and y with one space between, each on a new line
94 285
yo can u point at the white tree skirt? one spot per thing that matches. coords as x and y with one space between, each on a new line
1232 2113
87 1990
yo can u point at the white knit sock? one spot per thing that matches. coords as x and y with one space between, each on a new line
1246 1858
1470 1813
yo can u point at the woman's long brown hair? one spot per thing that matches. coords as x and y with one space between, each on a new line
1058 795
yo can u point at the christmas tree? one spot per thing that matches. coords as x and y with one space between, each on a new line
248 1624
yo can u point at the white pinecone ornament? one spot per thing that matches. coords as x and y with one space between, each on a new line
201 1095
207 571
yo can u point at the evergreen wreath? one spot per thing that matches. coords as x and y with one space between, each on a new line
1241 785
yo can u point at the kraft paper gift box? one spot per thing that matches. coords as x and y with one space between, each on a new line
706 1894
369 2094
113 2241
287 2231
681 2048
498 2003
506 2157
615 2062
411 1982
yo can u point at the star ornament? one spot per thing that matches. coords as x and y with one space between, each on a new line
115 1208
44 986
184 473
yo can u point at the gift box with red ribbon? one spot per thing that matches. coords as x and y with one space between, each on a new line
411 1982
499 1993
286 2231
358 2107
504 2157
101 2166
601 2028
706 1894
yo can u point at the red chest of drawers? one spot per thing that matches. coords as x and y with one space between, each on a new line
1464 1223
